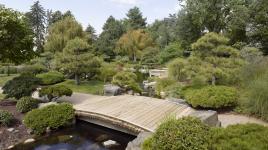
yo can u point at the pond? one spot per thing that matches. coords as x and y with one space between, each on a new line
83 136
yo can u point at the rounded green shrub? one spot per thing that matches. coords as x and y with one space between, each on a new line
212 97
184 134
6 118
26 104
127 80
56 91
240 137
52 116
50 78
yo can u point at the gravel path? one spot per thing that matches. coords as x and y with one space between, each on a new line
232 119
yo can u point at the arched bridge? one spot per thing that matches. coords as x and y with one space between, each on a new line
132 114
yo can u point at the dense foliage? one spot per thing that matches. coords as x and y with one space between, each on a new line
23 85
127 80
34 69
171 51
255 86
237 137
26 104
15 36
50 78
54 92
6 118
183 134
53 116
212 97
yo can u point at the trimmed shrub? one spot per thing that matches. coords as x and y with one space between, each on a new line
23 85
184 134
169 86
212 97
127 80
34 69
6 118
55 92
26 104
50 78
240 137
52 116
177 69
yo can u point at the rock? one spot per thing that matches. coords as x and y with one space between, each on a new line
136 144
109 143
102 138
29 131
29 141
41 105
112 90
16 131
10 129
10 147
48 130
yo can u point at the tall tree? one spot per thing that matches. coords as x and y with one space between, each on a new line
135 19
77 59
61 32
91 34
112 31
16 37
37 18
133 43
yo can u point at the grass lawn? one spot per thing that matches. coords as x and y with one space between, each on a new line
88 87
4 78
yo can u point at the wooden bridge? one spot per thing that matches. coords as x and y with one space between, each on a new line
130 114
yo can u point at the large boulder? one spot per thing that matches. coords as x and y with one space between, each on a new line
112 90
136 144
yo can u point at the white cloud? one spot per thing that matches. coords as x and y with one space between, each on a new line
126 2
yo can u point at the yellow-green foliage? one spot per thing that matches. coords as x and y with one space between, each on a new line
184 134
127 80
212 97
6 117
53 116
240 137
26 104
50 78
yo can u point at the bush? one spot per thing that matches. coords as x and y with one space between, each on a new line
8 70
172 51
26 104
56 91
212 97
163 83
52 116
50 78
6 118
127 80
184 134
34 69
177 70
21 86
240 137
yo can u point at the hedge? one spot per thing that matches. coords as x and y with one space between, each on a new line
213 97
26 104
6 118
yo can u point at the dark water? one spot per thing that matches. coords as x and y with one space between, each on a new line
83 136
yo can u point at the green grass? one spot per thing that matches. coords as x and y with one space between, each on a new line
4 78
88 87
2 96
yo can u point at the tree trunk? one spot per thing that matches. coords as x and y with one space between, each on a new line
77 79
8 70
134 58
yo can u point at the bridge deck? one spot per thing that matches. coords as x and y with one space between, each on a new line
142 112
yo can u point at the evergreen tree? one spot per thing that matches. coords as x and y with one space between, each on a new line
91 34
37 18
135 19
112 31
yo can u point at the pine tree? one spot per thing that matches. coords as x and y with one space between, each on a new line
37 19
135 19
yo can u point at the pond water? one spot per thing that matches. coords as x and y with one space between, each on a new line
83 136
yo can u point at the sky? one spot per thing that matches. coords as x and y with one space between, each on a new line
96 12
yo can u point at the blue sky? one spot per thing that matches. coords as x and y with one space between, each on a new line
96 12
